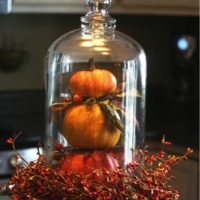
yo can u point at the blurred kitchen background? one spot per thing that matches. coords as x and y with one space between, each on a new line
169 34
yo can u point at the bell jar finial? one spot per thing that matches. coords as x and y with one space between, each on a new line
99 5
95 79
97 18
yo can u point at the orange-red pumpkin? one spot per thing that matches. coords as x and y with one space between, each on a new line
94 83
87 127
88 162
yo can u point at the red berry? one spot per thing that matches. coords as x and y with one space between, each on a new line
58 147
15 197
67 99
77 98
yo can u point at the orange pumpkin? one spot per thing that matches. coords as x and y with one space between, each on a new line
88 162
94 83
87 127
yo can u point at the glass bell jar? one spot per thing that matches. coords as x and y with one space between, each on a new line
95 95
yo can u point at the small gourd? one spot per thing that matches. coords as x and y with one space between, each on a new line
94 82
88 162
86 126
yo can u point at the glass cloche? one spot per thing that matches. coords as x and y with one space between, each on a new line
95 83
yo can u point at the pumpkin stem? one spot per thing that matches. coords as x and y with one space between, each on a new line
91 64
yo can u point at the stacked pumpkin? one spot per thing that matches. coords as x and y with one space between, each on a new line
85 125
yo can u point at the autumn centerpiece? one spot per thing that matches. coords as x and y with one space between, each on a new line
95 97
95 103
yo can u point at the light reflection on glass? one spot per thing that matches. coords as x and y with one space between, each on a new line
130 109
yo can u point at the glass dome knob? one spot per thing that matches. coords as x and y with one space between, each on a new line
99 5
97 19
